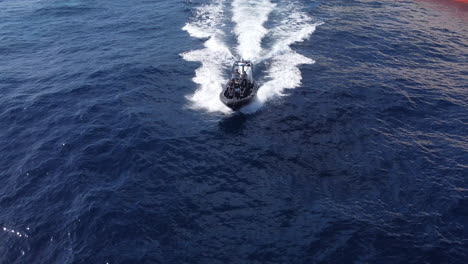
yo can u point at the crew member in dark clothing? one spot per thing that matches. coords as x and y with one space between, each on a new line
244 75
236 74
236 88
230 91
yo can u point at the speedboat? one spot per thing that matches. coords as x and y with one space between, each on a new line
241 88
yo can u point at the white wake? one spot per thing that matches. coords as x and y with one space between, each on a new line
214 58
291 26
250 17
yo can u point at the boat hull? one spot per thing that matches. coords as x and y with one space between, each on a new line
237 103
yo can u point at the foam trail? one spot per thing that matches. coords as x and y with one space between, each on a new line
249 16
283 72
215 57
295 27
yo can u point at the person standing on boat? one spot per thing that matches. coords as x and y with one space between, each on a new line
243 79
244 75
236 74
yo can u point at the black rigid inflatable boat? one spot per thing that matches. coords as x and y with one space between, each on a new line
241 88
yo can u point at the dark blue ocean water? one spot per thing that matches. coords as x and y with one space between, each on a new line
109 153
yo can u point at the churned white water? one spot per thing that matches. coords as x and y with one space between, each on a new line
249 17
290 25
